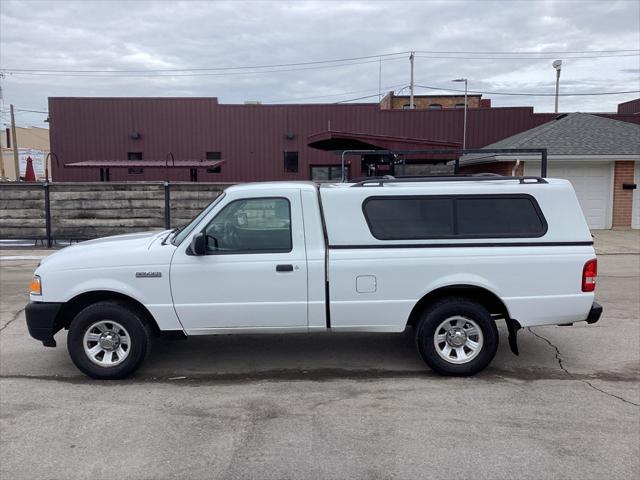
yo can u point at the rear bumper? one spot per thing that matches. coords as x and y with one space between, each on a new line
41 321
594 313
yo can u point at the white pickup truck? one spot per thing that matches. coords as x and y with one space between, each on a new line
447 257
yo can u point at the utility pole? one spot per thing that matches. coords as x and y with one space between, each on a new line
411 105
379 79
464 126
14 142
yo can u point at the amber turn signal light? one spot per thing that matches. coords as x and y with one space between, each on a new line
35 287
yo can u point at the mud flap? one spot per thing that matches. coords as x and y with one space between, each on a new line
513 326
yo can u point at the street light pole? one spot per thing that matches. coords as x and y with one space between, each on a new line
557 64
14 144
464 127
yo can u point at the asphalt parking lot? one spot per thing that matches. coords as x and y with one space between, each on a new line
329 405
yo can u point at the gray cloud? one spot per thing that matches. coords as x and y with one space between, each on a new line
173 35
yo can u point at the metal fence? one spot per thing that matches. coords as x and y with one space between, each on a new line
50 212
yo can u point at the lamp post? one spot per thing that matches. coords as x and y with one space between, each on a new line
557 64
464 128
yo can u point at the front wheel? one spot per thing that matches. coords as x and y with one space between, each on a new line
457 337
108 340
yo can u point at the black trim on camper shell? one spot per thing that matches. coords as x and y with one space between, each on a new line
461 245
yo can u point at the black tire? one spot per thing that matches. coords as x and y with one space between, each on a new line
447 308
127 316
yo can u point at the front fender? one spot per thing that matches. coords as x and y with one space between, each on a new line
152 292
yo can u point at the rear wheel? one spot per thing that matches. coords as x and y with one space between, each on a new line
457 336
108 340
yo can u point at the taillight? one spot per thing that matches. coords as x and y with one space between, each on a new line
589 274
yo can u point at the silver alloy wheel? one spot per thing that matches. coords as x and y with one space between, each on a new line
106 343
458 340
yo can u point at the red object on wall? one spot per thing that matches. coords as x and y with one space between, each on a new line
29 173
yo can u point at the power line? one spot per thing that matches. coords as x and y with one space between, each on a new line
354 99
334 94
377 57
529 58
527 94
25 110
151 74
248 67
524 52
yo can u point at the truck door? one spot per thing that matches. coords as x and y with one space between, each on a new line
254 275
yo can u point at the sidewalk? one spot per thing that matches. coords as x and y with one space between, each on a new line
612 242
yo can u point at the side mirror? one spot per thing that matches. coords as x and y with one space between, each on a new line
199 244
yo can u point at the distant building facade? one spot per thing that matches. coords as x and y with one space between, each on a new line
201 140
391 101
33 142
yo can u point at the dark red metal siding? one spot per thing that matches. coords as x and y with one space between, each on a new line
251 138
631 107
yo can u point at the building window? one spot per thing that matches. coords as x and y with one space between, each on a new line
435 106
471 216
193 174
459 105
321 173
134 156
291 162
104 174
136 171
214 156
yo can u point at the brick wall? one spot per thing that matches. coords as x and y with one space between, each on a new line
622 199
421 102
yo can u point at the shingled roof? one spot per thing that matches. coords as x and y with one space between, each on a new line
577 134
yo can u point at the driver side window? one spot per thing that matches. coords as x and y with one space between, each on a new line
253 225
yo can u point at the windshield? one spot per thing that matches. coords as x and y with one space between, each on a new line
184 232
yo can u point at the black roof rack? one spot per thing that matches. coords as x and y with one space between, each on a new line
448 178
455 151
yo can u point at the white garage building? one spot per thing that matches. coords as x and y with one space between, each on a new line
600 156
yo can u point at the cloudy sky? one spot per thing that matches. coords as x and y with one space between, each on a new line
167 48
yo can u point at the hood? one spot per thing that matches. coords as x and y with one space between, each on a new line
118 250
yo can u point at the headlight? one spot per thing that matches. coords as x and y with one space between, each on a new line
36 286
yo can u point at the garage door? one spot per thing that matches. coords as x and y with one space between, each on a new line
635 216
592 183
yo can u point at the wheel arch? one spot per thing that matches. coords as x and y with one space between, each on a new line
482 295
76 304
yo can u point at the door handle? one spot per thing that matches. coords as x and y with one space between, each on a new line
284 268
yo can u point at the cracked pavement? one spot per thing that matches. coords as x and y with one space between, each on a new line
329 405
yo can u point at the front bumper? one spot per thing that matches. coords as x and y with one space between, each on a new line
42 321
594 313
